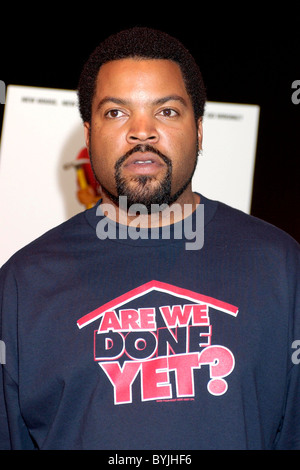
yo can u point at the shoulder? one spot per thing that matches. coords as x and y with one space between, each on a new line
242 226
59 239
243 235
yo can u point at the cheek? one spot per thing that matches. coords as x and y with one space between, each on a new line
102 161
106 146
184 149
184 163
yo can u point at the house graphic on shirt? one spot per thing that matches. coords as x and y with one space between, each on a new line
161 287
154 342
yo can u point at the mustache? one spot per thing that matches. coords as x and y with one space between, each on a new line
142 148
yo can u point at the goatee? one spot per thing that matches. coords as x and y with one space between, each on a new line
145 189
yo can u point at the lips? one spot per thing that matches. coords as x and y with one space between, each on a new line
143 158
143 163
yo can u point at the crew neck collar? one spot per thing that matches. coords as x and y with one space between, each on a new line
184 231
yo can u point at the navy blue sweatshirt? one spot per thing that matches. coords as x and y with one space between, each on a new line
137 342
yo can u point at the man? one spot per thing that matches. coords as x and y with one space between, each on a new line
122 329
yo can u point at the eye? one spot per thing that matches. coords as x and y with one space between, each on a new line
114 113
168 112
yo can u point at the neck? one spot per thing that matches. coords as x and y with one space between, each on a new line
180 209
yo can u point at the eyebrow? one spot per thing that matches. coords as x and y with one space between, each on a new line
165 99
159 101
111 99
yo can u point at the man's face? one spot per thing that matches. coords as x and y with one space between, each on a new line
143 138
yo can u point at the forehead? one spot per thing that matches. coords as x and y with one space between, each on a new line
140 78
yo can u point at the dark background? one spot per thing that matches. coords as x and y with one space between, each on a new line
246 55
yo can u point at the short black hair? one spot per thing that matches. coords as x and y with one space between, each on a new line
144 43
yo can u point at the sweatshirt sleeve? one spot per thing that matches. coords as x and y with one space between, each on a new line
4 433
14 434
288 437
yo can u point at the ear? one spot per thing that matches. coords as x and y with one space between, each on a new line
87 134
200 132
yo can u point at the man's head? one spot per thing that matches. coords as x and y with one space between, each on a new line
142 98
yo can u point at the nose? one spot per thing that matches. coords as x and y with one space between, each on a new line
142 129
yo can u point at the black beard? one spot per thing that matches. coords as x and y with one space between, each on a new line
146 191
143 193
